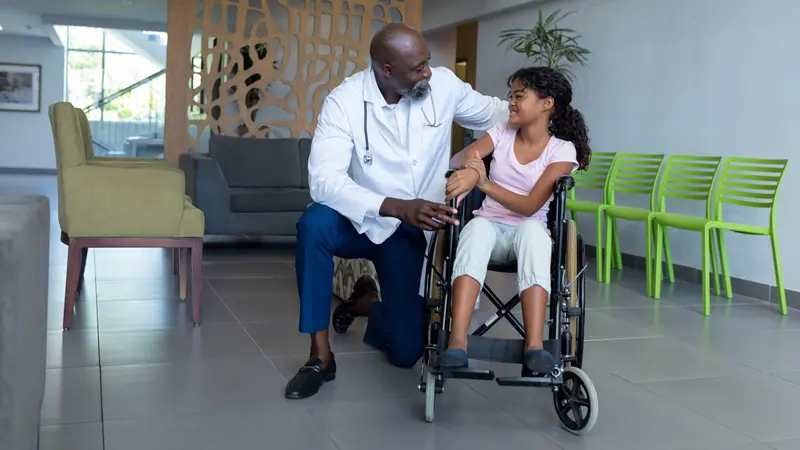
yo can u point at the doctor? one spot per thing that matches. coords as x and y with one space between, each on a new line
376 174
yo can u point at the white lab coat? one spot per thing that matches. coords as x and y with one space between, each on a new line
411 164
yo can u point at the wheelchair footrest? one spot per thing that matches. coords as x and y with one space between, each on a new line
467 374
525 381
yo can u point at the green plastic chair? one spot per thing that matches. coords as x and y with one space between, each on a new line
690 178
634 173
595 177
747 182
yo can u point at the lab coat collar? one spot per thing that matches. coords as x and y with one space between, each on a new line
371 92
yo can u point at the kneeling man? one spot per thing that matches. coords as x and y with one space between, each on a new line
376 174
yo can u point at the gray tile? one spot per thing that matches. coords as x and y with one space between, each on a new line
284 427
791 444
166 288
272 307
282 339
393 424
253 288
758 405
247 269
653 359
189 387
756 348
74 348
159 314
211 340
78 436
71 396
84 316
791 375
622 421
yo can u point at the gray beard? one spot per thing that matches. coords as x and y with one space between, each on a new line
418 92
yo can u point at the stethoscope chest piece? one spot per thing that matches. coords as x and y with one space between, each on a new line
368 158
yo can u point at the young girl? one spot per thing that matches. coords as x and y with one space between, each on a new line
544 139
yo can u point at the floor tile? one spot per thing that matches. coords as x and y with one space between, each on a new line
792 444
790 375
253 288
247 269
74 348
167 288
78 436
399 424
211 340
274 428
282 339
758 405
84 316
71 396
654 359
271 307
759 349
159 314
195 386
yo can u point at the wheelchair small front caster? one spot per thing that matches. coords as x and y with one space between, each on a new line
430 396
576 402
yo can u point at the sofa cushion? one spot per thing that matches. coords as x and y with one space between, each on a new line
269 200
257 163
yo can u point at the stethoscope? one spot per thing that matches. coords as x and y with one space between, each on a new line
428 123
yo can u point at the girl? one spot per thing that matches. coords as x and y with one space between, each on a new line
544 139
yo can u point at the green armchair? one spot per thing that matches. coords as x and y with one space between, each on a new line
107 205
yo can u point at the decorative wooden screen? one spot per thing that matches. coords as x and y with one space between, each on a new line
261 68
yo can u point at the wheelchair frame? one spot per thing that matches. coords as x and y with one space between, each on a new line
572 388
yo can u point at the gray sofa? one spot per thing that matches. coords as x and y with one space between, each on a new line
24 268
249 186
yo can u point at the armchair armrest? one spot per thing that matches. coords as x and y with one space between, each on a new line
122 201
205 183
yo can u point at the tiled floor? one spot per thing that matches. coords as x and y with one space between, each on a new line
135 374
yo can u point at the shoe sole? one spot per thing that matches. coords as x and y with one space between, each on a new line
327 379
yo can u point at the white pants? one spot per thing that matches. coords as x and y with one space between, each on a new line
482 241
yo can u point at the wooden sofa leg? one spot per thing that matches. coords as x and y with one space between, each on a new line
84 256
196 253
183 270
176 255
74 263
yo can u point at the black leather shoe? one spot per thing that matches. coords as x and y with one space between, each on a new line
342 319
365 293
310 378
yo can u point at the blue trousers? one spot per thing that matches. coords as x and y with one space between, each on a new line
396 322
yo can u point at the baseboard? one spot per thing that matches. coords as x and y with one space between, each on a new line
26 171
740 286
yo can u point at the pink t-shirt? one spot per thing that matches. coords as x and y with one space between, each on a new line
507 172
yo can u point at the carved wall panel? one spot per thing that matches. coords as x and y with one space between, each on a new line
261 68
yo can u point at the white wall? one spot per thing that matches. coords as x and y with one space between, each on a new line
26 138
710 77
442 45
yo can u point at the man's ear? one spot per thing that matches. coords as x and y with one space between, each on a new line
387 70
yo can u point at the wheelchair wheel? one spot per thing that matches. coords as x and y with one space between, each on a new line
576 259
430 396
576 402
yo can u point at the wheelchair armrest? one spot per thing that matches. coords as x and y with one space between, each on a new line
564 184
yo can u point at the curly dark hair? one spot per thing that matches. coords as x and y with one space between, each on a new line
566 122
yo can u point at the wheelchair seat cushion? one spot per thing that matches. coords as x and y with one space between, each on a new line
503 266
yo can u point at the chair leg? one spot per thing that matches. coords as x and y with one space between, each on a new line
74 257
176 255
713 255
668 257
196 252
617 248
658 268
723 257
599 245
776 259
609 249
704 273
183 270
84 256
649 266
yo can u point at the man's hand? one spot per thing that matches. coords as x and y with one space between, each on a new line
419 213
460 184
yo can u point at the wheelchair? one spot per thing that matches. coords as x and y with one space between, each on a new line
574 394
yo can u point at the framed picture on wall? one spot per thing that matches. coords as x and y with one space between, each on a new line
20 87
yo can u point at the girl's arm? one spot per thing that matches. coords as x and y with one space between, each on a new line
484 146
527 205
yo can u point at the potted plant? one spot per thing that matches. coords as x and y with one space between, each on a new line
547 44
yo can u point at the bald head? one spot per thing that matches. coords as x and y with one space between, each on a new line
400 57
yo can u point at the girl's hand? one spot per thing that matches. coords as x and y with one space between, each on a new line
460 184
476 163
